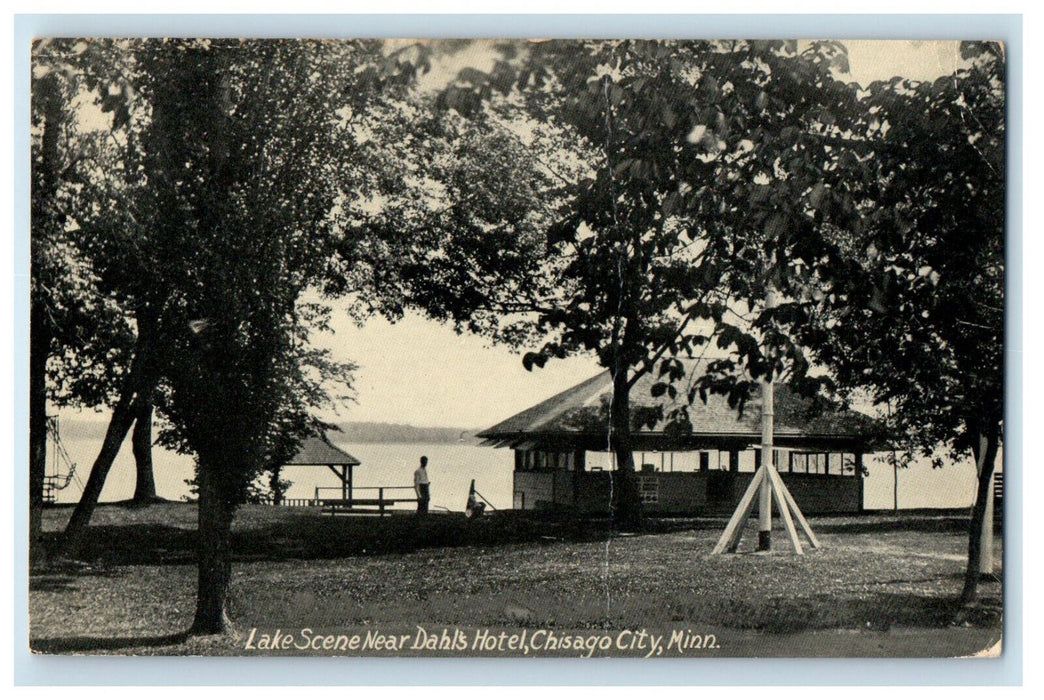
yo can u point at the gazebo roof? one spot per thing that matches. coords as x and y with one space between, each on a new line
318 451
580 414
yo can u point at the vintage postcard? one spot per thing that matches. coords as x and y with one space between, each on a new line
517 348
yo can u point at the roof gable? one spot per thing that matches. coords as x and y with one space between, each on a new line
583 410
318 451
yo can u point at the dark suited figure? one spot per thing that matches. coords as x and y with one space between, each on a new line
422 486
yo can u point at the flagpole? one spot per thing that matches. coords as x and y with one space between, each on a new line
767 456
767 484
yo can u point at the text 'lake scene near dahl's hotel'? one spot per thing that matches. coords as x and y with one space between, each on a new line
517 348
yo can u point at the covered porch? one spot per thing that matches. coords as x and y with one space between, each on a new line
694 482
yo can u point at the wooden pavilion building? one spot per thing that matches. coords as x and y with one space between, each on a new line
317 451
562 458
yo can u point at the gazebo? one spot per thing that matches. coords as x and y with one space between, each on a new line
317 451
562 459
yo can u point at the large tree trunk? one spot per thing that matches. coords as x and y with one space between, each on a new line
141 442
115 434
39 345
626 501
216 510
985 457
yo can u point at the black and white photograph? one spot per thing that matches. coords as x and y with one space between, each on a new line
520 348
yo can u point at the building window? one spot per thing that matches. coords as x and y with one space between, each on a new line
649 489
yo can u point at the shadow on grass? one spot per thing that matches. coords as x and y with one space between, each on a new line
74 645
107 545
879 612
281 534
53 583
901 523
310 535
58 577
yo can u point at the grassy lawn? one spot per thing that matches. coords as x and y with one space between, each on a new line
881 585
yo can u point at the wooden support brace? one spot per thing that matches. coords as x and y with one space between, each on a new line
784 511
730 538
797 512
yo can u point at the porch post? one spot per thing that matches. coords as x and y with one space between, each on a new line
859 475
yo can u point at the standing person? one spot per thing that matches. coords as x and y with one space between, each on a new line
422 486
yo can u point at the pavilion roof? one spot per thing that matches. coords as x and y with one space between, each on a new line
318 451
582 411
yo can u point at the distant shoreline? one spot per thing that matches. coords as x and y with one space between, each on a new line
470 442
401 433
351 432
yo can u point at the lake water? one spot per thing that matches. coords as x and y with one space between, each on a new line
451 467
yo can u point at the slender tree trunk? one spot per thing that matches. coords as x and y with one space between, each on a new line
46 224
985 459
138 384
216 511
141 442
115 434
986 558
626 499
275 484
39 345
